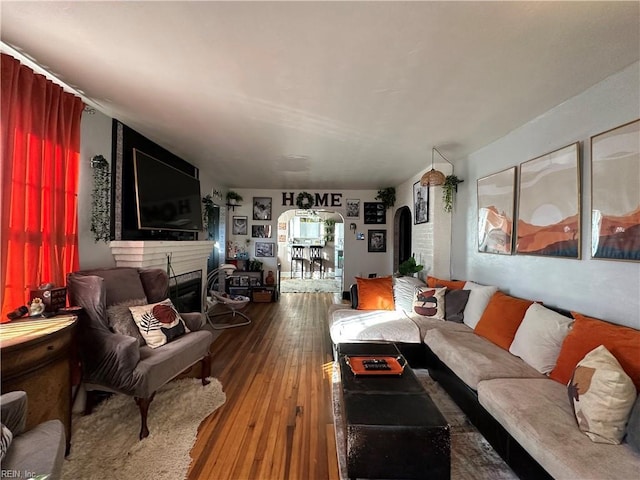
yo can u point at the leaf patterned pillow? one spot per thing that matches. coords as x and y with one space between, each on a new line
158 323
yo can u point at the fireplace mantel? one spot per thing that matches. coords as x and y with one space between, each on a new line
183 256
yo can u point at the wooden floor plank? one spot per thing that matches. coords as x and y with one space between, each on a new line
277 421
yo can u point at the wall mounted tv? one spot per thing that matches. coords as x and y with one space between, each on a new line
166 198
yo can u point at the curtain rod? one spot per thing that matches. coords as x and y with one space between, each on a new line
25 60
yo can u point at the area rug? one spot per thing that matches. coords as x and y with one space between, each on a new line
472 457
308 285
105 444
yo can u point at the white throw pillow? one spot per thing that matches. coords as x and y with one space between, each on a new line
478 301
404 289
602 396
429 302
540 336
159 323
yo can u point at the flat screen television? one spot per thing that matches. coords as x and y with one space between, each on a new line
166 198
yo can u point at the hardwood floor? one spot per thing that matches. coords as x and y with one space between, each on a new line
277 422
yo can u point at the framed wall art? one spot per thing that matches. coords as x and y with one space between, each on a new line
420 204
615 193
377 241
496 200
353 208
262 208
375 213
265 249
239 226
549 204
261 231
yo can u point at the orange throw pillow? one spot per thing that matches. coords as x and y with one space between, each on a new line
434 282
375 293
501 319
588 333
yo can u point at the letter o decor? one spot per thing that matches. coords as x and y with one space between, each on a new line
304 200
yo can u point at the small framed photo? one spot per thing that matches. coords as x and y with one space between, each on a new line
353 208
261 231
244 281
265 249
359 236
239 225
377 241
420 204
262 208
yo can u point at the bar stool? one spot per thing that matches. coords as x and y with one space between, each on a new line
315 257
297 255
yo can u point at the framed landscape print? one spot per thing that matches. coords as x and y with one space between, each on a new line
615 193
239 226
262 208
420 204
353 208
261 231
549 204
496 199
377 241
265 249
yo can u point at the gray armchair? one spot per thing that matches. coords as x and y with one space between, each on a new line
113 354
40 450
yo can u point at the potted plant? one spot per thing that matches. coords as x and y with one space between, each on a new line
387 196
409 267
254 265
233 197
449 189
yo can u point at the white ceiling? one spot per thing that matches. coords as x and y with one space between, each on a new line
325 95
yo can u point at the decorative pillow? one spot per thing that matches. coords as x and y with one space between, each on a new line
375 293
454 303
159 323
6 437
404 289
478 300
539 337
602 396
588 333
501 319
429 302
121 321
450 284
633 426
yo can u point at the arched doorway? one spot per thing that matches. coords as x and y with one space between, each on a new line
306 229
403 225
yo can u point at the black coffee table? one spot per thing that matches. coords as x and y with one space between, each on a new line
393 429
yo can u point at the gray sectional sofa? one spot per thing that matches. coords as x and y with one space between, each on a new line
525 415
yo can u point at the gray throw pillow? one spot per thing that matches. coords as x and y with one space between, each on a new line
121 321
454 303
633 426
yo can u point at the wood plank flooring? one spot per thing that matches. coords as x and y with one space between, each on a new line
277 422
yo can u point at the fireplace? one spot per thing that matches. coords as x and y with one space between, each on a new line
185 291
185 261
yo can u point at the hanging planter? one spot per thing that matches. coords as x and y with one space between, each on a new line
101 200
207 211
449 189
387 196
304 200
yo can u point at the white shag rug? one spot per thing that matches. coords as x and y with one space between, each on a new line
105 444
310 285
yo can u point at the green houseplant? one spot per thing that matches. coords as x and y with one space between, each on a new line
207 210
233 197
387 196
409 267
449 188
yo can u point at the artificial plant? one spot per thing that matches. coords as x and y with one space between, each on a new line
233 196
101 199
409 267
387 196
449 189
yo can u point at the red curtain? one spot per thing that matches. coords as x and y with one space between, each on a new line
39 182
